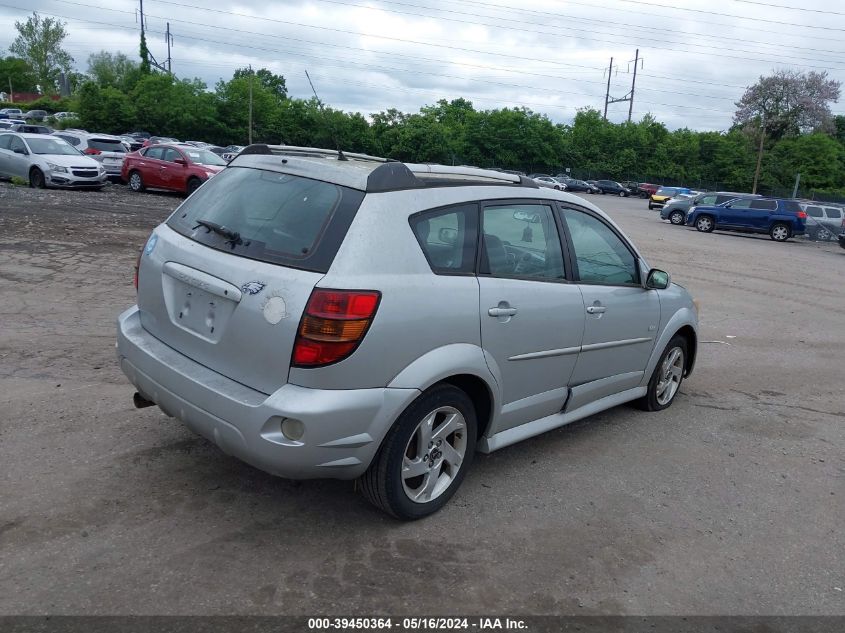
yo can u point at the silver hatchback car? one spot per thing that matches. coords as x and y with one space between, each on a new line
325 315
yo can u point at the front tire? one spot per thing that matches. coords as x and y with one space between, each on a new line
705 224
36 179
780 232
425 455
676 218
622 194
667 377
193 185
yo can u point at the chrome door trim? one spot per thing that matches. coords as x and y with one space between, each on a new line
622 343
565 351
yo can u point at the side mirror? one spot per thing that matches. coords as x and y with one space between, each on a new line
448 236
180 161
657 279
20 150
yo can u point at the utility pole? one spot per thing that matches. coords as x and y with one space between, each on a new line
169 39
607 92
633 85
142 18
11 94
759 153
797 181
628 97
250 104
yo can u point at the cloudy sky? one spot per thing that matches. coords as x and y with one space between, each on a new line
551 56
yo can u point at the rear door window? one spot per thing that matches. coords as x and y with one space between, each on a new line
833 213
171 155
270 216
447 237
765 205
155 153
520 240
815 212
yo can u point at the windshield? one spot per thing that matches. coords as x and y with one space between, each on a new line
666 192
204 157
53 146
277 218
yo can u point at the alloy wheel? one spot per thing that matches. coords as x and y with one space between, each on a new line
671 374
780 233
434 454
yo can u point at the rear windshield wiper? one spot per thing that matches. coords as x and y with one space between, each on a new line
233 237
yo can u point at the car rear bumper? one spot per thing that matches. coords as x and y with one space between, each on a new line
343 428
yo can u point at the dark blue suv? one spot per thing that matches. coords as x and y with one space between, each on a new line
779 217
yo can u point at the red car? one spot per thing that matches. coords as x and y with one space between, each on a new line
180 168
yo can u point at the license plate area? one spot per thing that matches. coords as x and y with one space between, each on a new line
197 310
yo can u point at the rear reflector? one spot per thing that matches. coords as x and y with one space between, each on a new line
333 325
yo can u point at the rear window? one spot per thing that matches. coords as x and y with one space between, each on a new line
791 206
815 212
106 145
270 217
833 212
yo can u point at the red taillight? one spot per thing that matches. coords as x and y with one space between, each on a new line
91 151
802 215
333 325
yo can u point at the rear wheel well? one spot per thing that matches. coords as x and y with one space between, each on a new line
692 345
479 393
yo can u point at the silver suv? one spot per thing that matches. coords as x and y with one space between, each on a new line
106 149
325 315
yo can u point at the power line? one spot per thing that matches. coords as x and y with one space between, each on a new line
422 43
511 22
783 6
733 15
593 5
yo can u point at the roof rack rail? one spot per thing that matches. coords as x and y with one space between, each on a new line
293 150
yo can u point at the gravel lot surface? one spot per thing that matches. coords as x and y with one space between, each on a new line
732 501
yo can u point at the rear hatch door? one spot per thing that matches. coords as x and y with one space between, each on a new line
227 278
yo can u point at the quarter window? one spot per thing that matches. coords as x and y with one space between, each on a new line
601 255
833 213
520 240
447 238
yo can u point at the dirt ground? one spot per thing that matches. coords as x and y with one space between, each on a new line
730 502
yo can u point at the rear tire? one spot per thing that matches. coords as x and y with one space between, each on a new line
676 218
780 232
823 235
667 377
705 223
36 179
136 183
650 207
622 194
405 466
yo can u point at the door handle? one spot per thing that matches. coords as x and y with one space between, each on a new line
596 309
500 312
